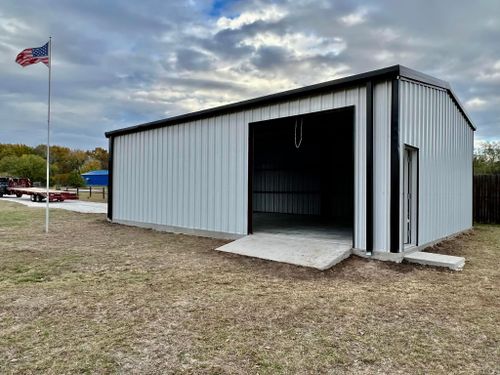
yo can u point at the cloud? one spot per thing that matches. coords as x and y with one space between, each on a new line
355 18
490 73
475 104
298 44
270 13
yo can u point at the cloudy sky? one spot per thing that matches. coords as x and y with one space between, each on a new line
121 63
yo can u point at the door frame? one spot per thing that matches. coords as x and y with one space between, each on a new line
414 185
251 153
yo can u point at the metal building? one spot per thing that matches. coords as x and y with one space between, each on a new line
386 154
96 178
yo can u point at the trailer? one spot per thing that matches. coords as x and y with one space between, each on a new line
23 186
40 194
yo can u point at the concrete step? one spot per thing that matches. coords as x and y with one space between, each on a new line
437 260
301 251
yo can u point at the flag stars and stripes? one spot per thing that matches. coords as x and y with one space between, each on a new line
34 55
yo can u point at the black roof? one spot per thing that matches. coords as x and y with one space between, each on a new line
374 75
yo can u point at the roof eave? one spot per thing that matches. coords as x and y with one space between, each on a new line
390 71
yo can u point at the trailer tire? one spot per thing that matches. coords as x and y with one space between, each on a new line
1 195
19 195
33 197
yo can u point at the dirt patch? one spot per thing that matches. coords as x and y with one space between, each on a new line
103 298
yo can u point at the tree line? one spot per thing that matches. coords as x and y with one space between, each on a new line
66 165
487 159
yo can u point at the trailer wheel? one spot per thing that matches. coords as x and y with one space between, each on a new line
19 195
40 198
33 197
1 195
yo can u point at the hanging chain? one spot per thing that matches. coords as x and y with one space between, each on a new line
297 145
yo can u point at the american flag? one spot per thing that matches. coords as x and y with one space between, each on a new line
34 55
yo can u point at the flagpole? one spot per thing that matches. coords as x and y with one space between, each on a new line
48 143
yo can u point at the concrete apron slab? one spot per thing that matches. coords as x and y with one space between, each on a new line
437 260
298 250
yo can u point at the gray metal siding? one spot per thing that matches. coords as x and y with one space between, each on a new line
305 198
194 175
431 121
381 166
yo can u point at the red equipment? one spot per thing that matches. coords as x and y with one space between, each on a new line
20 186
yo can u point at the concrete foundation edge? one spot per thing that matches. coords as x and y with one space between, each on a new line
180 230
398 257
385 256
436 260
346 255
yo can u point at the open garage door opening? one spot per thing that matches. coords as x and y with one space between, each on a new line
302 175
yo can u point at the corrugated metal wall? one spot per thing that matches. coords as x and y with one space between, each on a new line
431 121
381 166
194 175
284 179
287 192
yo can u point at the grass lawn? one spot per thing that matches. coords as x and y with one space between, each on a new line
95 297
97 196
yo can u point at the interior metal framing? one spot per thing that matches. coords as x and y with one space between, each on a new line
251 156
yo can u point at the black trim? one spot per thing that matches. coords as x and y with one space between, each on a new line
251 135
418 196
395 222
422 77
369 167
110 178
358 79
353 135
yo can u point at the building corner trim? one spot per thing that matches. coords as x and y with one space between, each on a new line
369 167
395 245
110 178
250 178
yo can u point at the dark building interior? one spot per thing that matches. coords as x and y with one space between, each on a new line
303 170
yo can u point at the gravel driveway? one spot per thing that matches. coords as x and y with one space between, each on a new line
70 205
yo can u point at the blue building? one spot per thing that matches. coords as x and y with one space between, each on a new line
96 178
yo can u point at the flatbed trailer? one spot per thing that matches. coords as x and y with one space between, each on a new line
40 194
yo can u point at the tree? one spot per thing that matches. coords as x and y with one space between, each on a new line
25 161
77 159
8 164
15 150
100 154
487 158
91 165
75 180
30 166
